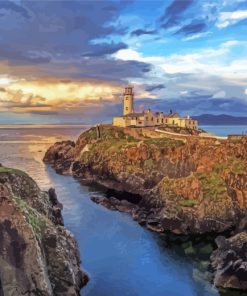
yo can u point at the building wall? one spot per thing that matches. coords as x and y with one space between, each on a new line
153 119
183 122
150 119
119 121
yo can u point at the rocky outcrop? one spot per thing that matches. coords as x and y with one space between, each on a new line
38 256
195 186
230 262
186 187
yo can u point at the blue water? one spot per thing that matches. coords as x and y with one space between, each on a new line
225 130
121 257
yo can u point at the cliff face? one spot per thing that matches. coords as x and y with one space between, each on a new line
187 187
194 186
38 256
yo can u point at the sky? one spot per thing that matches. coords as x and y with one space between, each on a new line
68 61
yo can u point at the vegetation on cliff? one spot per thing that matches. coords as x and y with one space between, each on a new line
200 184
38 255
186 187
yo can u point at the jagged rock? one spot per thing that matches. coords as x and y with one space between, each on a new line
230 262
38 256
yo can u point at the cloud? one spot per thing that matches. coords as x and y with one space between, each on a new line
174 11
13 7
219 94
76 37
153 87
226 19
195 26
199 61
140 32
196 104
60 96
104 49
197 36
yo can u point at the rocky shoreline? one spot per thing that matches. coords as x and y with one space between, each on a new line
186 188
38 255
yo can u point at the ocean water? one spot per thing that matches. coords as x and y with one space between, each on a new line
121 257
225 130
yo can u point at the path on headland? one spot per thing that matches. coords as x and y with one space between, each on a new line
202 135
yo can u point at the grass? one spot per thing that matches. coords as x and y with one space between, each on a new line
188 202
163 142
149 164
213 186
34 218
12 171
234 165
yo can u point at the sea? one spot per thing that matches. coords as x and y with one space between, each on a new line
121 257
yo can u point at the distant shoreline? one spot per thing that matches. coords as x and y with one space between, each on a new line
14 126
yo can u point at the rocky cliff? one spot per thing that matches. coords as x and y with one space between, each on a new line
38 256
190 186
193 186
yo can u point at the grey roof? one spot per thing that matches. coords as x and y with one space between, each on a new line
135 114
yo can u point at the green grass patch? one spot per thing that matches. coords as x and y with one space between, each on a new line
34 218
12 171
188 202
213 185
234 165
163 142
149 164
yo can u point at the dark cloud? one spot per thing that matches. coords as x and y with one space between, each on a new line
14 55
58 29
192 28
70 39
111 69
104 49
174 11
155 87
13 7
140 32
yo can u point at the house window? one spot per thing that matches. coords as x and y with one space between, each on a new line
162 120
173 122
166 120
157 120
126 108
136 118
152 119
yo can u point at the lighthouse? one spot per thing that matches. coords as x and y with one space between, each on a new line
128 100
